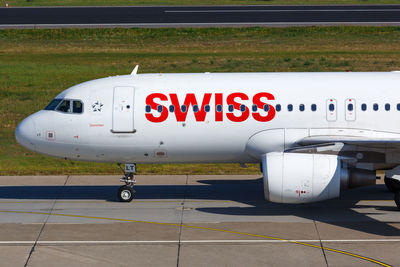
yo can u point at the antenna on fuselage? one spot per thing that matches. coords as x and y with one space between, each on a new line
134 72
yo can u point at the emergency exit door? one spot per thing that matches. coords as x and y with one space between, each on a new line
123 110
331 112
350 106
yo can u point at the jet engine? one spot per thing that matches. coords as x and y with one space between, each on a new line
304 178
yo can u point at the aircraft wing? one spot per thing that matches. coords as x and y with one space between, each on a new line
382 143
355 150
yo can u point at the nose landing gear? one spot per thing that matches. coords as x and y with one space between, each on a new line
126 192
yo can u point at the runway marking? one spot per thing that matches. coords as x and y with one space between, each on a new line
210 229
279 10
67 242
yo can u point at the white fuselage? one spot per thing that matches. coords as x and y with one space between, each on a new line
116 126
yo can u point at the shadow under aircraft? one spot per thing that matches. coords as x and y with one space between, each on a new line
340 212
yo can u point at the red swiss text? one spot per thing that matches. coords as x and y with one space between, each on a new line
259 110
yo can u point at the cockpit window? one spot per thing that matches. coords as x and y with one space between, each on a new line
65 106
77 106
53 104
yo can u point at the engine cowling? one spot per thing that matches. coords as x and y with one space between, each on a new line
305 178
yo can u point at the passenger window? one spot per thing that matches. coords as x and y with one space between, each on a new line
290 107
148 108
219 108
207 108
242 108
350 107
183 108
375 107
364 107
387 106
266 107
195 108
301 107
278 107
65 106
53 104
172 108
331 107
77 106
159 108
254 108
313 107
230 108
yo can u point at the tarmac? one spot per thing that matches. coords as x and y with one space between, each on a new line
190 220
197 16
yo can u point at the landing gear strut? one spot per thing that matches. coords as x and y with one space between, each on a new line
126 192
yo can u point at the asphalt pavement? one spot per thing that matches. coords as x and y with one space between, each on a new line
182 16
189 220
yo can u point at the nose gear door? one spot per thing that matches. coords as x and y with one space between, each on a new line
123 110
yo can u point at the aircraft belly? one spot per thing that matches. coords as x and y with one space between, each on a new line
141 150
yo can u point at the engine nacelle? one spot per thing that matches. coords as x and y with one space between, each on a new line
300 178
304 178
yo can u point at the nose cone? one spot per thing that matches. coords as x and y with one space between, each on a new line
25 133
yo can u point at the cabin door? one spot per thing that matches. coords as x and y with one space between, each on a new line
122 117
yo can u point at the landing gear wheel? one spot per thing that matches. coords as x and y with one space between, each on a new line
397 199
390 184
126 193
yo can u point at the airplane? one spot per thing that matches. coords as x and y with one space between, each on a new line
314 134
